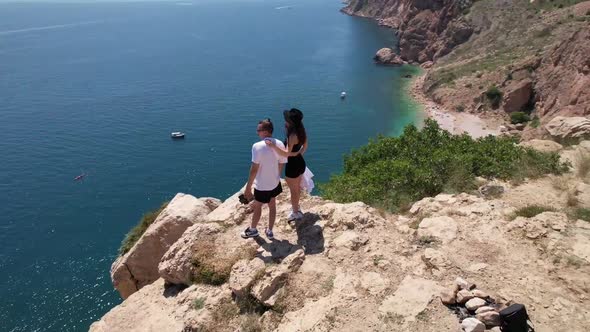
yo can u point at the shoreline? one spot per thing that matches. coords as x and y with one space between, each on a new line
455 122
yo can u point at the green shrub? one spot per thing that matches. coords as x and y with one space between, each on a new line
199 303
582 213
519 117
494 96
136 232
391 172
535 122
460 108
532 210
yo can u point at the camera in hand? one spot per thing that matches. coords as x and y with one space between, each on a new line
243 199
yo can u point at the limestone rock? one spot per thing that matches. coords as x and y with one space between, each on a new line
442 228
463 296
176 264
569 129
435 258
411 298
153 309
386 56
483 309
489 318
230 212
472 325
244 274
475 303
350 240
274 278
542 145
373 283
464 284
447 297
348 216
480 294
517 95
139 266
491 190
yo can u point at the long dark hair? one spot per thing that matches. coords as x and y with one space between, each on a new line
299 130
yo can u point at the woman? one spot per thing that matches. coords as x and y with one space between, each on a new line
296 145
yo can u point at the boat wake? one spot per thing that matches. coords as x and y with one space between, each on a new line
49 27
283 7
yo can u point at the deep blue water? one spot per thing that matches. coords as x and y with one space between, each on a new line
96 88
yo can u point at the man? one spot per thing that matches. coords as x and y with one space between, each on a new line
265 172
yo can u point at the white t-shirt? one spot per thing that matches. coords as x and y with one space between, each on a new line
268 160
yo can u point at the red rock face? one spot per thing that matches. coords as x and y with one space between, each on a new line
428 29
563 79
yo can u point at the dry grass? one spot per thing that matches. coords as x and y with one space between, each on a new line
583 165
250 323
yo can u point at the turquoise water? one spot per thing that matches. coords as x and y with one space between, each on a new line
96 88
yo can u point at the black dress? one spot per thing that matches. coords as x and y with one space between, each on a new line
295 165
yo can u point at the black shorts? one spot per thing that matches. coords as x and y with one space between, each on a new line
263 196
295 167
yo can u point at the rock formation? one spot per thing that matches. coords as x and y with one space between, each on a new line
386 56
350 267
138 267
427 30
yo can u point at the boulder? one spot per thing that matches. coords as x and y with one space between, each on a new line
386 56
139 266
475 303
243 275
569 129
350 240
472 325
442 228
266 288
176 264
464 284
491 190
517 95
230 212
542 145
480 294
435 258
348 216
489 318
373 283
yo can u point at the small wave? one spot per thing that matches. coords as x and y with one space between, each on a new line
48 27
284 7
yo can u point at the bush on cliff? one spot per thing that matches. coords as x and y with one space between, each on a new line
519 117
391 172
136 232
494 95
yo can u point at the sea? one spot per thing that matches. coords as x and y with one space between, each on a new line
96 88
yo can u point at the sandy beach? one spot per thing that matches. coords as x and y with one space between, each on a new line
454 122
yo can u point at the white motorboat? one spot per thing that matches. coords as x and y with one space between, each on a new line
177 134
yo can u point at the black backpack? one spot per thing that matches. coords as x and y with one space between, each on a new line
515 319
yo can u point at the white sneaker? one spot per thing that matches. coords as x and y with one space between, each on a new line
292 216
299 215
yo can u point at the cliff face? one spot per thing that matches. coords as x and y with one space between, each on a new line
563 85
428 29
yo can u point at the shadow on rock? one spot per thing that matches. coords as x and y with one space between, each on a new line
309 235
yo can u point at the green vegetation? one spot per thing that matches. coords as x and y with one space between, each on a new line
392 172
199 303
531 211
460 108
136 232
494 95
582 213
535 122
519 117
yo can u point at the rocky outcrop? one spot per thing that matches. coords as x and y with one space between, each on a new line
569 129
542 145
517 95
427 30
563 82
351 267
386 56
139 267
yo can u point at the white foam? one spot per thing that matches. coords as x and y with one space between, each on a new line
48 27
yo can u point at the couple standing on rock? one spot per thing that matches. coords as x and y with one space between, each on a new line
269 157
